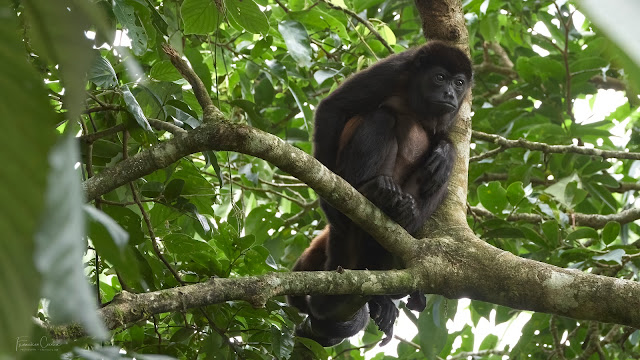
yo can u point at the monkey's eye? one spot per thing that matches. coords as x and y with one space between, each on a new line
459 83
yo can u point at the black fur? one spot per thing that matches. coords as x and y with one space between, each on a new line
385 130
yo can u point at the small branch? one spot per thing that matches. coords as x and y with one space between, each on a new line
553 149
506 66
565 57
408 342
91 138
502 55
621 188
147 220
608 83
282 6
210 112
166 126
480 354
364 22
558 348
106 107
487 154
596 221
157 124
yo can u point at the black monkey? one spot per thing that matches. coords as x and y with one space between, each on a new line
385 130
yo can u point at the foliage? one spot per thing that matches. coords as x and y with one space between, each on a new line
268 63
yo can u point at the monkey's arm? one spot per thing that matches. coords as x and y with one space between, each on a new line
361 93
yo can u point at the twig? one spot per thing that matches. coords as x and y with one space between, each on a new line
596 221
553 149
166 126
621 188
210 112
565 58
557 345
364 22
106 107
91 138
487 154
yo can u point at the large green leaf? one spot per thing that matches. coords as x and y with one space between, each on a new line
24 111
199 16
247 14
297 41
60 244
127 16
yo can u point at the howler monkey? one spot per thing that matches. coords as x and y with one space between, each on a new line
385 130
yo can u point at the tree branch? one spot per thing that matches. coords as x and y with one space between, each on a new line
553 149
364 22
621 188
463 267
596 221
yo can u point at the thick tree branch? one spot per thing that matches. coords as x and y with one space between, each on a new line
247 140
453 262
462 267
556 149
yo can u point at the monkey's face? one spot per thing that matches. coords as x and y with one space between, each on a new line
442 91
436 95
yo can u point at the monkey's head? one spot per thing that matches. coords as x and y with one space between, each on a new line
442 77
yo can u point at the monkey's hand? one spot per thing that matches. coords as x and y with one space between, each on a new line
384 313
417 301
386 194
437 168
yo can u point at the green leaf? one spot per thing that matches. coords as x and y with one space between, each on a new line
317 19
559 190
493 196
134 108
129 221
281 343
264 93
199 16
387 34
102 73
504 233
152 189
534 237
300 98
321 76
184 246
164 71
583 233
173 189
247 14
613 255
489 342
56 31
551 231
610 232
573 195
515 193
24 112
60 245
115 231
432 329
127 16
360 5
297 40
